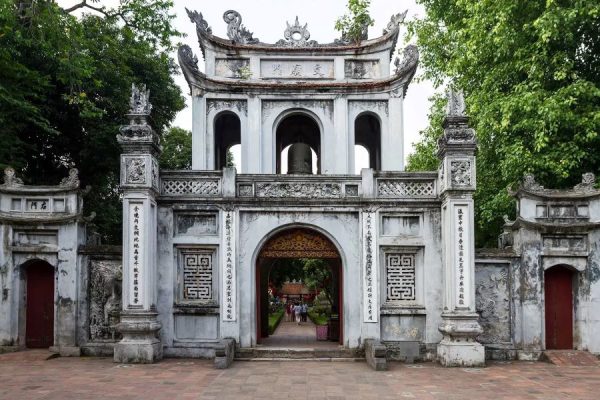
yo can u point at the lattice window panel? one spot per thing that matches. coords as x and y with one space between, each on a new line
207 187
398 188
197 275
400 273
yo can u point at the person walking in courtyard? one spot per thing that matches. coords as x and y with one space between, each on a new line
288 312
298 313
304 312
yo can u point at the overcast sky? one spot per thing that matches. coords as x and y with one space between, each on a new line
267 18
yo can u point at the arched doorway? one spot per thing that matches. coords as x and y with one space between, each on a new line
558 289
298 243
39 321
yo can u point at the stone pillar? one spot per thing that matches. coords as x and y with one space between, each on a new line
460 325
199 141
140 185
392 139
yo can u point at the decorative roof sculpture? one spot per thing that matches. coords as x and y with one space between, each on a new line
235 30
10 178
296 36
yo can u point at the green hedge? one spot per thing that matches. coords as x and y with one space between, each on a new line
274 320
318 319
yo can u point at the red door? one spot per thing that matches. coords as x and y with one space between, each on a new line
39 328
559 308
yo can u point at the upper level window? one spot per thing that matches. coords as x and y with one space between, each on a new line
227 135
367 133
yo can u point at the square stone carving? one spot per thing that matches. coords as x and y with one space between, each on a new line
197 274
400 277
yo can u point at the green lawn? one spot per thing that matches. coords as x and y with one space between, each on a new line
274 320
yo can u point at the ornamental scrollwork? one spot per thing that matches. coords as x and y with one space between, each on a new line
299 190
460 173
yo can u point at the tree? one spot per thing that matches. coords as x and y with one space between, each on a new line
317 276
65 85
354 26
177 149
531 75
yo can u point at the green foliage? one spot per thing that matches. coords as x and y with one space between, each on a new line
177 149
531 75
354 25
229 161
65 85
317 317
274 320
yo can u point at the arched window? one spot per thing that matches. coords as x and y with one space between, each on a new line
298 128
227 135
367 133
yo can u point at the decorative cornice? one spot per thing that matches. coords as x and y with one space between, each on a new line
396 85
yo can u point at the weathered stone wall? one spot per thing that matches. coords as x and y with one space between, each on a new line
101 303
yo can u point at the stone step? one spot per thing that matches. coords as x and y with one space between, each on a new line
571 358
273 353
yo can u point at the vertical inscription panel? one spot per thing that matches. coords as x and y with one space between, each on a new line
228 280
462 255
370 292
136 246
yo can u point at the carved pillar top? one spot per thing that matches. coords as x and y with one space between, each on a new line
458 137
138 136
457 147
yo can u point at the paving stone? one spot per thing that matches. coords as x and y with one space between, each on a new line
29 375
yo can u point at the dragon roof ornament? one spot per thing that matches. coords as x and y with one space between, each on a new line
237 32
395 22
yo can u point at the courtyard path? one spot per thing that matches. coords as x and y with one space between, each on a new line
292 335
27 375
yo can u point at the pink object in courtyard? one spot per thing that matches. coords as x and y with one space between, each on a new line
321 332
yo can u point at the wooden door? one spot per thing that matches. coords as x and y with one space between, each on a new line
39 328
558 287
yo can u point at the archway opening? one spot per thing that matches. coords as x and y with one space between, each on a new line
297 128
39 320
367 133
558 305
299 292
228 134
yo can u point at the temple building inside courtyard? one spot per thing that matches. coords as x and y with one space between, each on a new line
190 279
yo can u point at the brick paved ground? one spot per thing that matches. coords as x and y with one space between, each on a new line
28 376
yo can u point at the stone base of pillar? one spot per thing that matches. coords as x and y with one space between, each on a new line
459 348
140 344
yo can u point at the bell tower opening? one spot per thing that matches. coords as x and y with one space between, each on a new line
228 135
296 134
367 136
